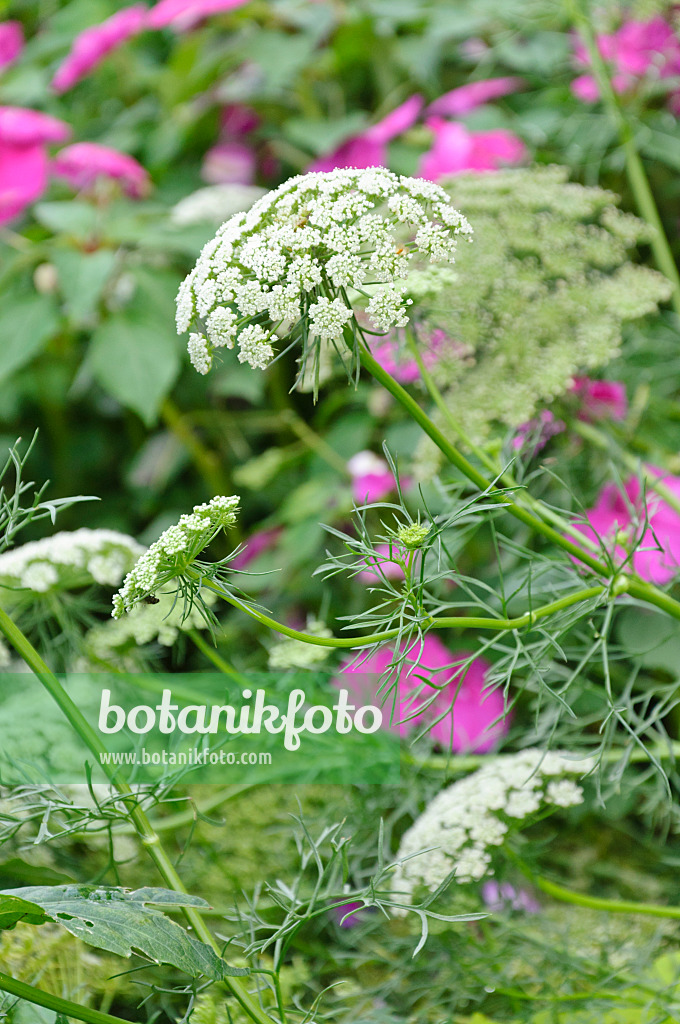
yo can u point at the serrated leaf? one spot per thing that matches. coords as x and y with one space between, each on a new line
26 323
122 922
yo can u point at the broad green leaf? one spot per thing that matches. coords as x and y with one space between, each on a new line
134 355
82 277
323 136
14 909
122 922
68 217
26 323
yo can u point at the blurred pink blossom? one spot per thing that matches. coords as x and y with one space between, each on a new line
455 149
11 42
20 126
369 149
637 49
384 566
468 97
84 163
475 723
93 44
257 543
390 356
24 135
348 911
181 15
372 478
600 399
658 556
229 163
499 896
537 432
237 120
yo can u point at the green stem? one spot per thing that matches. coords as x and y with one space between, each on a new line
149 838
219 662
505 477
207 463
64 1006
637 176
470 762
444 622
560 892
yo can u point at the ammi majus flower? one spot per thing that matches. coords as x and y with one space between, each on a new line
296 264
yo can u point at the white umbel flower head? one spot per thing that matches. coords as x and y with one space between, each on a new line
290 259
461 826
172 554
68 560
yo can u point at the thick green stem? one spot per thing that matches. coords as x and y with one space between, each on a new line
64 1006
637 176
149 838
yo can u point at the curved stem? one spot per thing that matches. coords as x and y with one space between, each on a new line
444 622
637 176
560 892
64 1006
149 838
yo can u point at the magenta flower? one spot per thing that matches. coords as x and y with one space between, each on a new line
405 369
11 42
181 15
537 432
638 49
91 47
657 557
600 399
20 126
369 149
471 716
384 566
257 544
455 150
85 163
372 478
238 120
229 163
468 97
24 135
500 896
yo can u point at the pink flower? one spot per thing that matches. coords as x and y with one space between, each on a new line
11 42
537 432
372 478
385 566
20 126
500 896
24 135
370 148
84 163
600 399
347 914
238 120
229 163
456 149
468 97
658 555
257 543
91 47
181 15
473 716
637 49
405 370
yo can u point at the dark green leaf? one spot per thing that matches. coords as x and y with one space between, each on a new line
26 323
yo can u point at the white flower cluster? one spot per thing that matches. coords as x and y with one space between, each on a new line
69 559
174 551
286 262
465 821
291 653
112 641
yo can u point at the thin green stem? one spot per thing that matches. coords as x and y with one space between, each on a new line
504 475
64 1006
216 659
560 892
470 762
637 176
149 838
445 622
